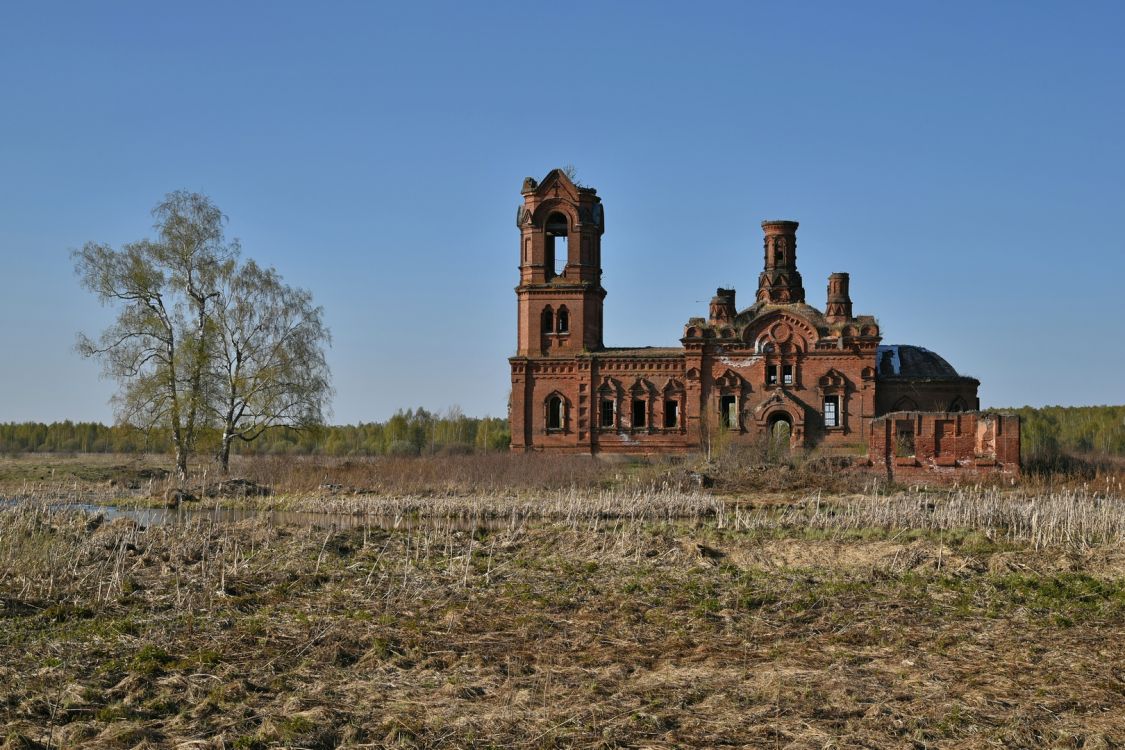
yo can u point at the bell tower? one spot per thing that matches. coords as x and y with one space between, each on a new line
560 291
780 283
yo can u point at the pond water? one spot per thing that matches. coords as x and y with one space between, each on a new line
187 514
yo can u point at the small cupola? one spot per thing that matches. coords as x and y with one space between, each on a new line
839 306
722 306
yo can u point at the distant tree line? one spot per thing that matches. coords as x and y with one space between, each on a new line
1047 431
411 432
1073 430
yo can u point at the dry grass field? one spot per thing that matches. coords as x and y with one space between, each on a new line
595 615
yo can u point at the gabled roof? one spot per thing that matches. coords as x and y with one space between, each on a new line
555 183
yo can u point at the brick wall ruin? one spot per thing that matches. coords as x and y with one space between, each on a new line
956 445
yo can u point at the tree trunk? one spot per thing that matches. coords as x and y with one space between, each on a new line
229 422
195 396
181 463
181 449
224 453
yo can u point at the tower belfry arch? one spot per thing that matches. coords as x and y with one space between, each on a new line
556 214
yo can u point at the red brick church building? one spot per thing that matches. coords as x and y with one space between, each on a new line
779 368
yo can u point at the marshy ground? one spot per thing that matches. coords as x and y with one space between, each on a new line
659 618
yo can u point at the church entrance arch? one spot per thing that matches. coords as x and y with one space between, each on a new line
780 433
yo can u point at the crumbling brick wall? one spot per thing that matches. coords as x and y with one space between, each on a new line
950 445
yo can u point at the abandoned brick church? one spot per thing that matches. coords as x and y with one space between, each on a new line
779 369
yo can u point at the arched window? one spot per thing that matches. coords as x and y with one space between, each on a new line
673 397
607 406
905 404
556 413
607 412
548 320
640 411
958 405
833 389
555 236
832 411
641 406
728 411
562 320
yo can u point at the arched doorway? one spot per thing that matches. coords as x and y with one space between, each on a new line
780 434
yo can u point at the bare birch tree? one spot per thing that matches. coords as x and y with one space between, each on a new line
269 365
158 347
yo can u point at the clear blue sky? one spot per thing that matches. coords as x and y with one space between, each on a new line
963 161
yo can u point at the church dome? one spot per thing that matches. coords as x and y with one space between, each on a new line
911 362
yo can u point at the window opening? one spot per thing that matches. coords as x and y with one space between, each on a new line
548 321
554 413
771 375
671 414
904 438
607 413
563 320
640 411
832 411
555 244
787 375
728 411
560 255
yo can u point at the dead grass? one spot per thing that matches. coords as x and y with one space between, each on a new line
493 473
587 632
84 468
483 473
1084 516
